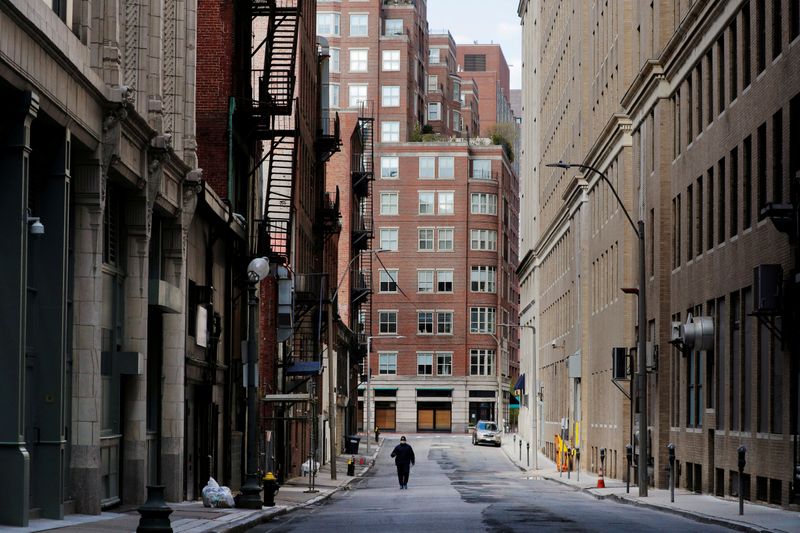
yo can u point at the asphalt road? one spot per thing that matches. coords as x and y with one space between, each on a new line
459 487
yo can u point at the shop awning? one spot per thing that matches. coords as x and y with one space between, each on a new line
304 368
520 384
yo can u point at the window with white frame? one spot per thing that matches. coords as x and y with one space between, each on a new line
424 280
433 56
482 319
390 131
393 27
391 60
444 322
427 167
388 279
444 280
389 238
389 202
483 279
390 96
387 363
424 363
481 362
483 203
434 111
456 121
389 167
446 202
333 95
456 91
387 322
426 199
444 363
446 242
425 239
333 62
446 167
358 59
483 239
328 24
359 25
433 83
481 169
424 322
358 94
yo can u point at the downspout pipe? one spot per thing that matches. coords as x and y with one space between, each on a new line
231 111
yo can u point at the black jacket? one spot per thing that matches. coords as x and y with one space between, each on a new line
403 454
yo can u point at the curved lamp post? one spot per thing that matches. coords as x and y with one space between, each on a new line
638 229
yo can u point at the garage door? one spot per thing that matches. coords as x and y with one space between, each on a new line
434 416
385 416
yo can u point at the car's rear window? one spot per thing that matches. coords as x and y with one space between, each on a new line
488 426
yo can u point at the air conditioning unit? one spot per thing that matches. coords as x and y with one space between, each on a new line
767 282
652 356
697 333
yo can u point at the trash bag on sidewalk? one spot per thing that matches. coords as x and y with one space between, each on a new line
216 496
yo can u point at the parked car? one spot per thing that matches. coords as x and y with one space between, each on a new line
486 432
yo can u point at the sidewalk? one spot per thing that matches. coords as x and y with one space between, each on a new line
700 507
192 517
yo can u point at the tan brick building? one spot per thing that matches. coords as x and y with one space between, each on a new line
690 109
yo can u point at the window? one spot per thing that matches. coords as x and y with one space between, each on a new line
444 322
482 319
426 202
389 237
475 62
328 24
334 60
389 166
424 280
393 27
391 60
359 25
389 203
746 44
446 203
733 61
390 96
358 59
481 169
483 279
424 364
388 279
387 322
358 94
390 132
481 362
446 167
425 239
483 204
456 91
446 239
777 157
333 95
427 167
444 280
433 56
424 322
794 19
483 239
433 83
734 191
761 35
722 199
456 121
444 363
761 166
776 28
721 74
387 363
434 111
747 182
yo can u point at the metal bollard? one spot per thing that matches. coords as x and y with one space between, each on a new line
529 454
629 456
155 512
520 450
671 452
742 451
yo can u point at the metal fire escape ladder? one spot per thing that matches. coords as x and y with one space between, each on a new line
280 187
276 84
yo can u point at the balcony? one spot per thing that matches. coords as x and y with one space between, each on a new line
329 140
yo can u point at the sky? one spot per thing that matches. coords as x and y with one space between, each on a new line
483 21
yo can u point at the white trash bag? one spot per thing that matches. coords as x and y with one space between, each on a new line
216 496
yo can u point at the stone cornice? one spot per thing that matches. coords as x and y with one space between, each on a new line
644 85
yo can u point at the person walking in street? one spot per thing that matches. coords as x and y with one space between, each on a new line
403 458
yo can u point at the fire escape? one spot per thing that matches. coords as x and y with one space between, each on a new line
274 121
363 174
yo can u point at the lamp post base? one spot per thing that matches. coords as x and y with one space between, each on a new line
251 493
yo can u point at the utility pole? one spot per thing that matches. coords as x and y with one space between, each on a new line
331 379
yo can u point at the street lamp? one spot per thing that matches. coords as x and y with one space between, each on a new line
638 229
533 382
367 404
257 270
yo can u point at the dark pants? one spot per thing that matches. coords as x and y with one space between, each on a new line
402 474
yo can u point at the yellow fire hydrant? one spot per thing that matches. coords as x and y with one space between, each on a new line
270 489
377 433
351 466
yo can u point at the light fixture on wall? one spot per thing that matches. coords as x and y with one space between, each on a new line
35 226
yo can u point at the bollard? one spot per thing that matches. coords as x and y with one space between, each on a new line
569 464
520 450
529 454
742 450
578 463
671 452
155 512
629 456
515 438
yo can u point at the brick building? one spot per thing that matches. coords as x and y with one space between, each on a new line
692 119
486 65
443 85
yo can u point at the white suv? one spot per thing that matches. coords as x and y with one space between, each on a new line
485 431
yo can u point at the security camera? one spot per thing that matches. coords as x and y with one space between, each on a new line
35 226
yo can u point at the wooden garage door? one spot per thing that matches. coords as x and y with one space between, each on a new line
442 420
424 419
385 416
434 416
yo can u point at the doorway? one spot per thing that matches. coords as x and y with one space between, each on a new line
434 416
